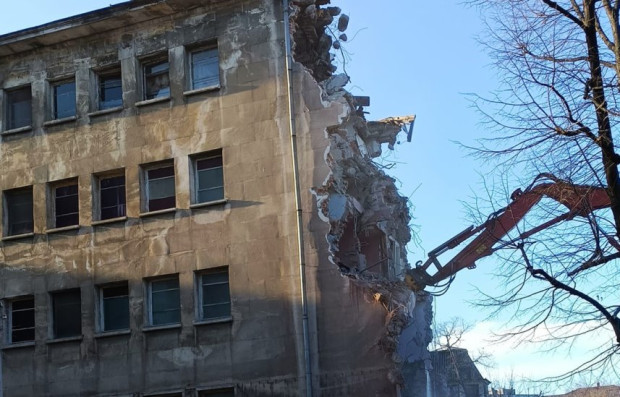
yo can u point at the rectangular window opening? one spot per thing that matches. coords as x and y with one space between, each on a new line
208 177
164 301
156 79
112 199
18 108
205 68
66 205
18 212
159 190
21 320
214 294
224 392
66 313
114 306
110 90
63 100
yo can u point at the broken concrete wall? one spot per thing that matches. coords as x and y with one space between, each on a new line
360 223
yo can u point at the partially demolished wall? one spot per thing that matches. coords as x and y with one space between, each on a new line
365 221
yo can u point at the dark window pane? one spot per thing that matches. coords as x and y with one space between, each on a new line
115 308
156 81
161 172
160 189
209 179
205 69
215 293
67 206
19 108
67 313
22 320
217 393
112 200
19 205
165 301
64 100
110 91
209 162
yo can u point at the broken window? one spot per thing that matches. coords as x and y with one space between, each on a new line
66 204
21 319
164 301
208 178
18 108
114 306
110 90
63 99
205 68
66 313
18 211
156 79
213 294
112 201
226 392
159 192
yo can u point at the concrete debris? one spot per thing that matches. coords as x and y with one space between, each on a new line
368 219
311 43
335 83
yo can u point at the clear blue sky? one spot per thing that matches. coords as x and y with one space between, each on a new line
410 57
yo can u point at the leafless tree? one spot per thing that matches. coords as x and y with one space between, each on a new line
557 112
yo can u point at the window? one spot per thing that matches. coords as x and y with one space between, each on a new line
227 392
159 193
114 307
213 294
156 80
18 212
208 178
63 100
66 204
164 301
111 197
18 108
110 90
66 313
205 68
21 320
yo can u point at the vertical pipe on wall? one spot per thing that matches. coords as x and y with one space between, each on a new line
300 234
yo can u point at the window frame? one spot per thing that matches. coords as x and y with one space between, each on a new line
109 73
199 295
9 117
145 185
9 320
150 306
54 85
195 177
149 62
191 80
8 204
97 195
53 314
52 202
101 309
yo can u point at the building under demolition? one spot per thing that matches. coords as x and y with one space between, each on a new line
190 208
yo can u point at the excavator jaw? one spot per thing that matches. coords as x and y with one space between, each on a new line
417 279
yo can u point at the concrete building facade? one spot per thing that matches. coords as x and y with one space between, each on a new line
188 211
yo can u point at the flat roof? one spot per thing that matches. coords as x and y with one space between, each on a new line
93 22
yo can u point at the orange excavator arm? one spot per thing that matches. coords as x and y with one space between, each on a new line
580 200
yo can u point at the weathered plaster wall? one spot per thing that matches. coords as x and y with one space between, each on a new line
355 319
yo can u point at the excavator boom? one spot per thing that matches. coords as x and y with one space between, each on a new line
580 200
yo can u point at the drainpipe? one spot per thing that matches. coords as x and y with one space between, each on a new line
300 232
